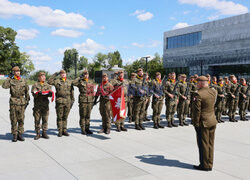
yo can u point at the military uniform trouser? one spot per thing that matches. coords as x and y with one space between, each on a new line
233 104
139 108
120 122
17 118
218 109
157 107
147 103
104 109
41 113
225 105
171 106
84 112
130 108
243 104
182 110
205 142
62 112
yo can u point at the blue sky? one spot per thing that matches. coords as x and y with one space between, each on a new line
133 27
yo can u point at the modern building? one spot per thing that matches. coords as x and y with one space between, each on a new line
219 47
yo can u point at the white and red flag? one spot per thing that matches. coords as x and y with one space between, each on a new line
117 102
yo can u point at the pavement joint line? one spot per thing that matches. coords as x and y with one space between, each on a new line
53 159
116 156
223 172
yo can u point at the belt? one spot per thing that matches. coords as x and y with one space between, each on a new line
18 97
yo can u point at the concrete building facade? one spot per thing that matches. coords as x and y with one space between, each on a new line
219 47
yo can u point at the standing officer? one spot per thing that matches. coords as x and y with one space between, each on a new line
103 90
243 99
193 89
171 98
140 93
64 100
157 103
226 101
147 103
85 100
219 101
41 90
204 122
130 99
117 83
184 96
19 100
233 98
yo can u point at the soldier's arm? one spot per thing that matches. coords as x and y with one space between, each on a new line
76 82
33 89
72 96
51 80
6 83
27 95
196 108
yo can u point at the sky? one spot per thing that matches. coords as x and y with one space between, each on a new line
45 29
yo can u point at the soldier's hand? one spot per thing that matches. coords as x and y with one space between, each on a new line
171 96
244 96
56 73
81 76
222 95
157 96
40 93
184 97
11 75
50 93
233 96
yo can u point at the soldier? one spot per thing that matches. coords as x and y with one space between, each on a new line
19 100
157 103
117 83
41 90
140 93
209 80
147 103
243 99
204 122
171 98
64 100
130 100
219 101
184 96
214 82
193 89
226 101
103 90
85 100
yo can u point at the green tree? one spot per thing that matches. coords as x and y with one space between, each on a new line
114 59
155 65
9 51
34 76
68 63
26 65
100 60
83 63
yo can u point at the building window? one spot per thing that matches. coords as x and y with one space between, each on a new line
185 40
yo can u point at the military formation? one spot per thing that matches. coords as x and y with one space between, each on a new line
178 94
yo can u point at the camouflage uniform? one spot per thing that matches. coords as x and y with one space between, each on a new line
117 83
219 102
193 90
103 91
157 103
226 99
233 102
171 87
130 103
64 101
85 100
148 99
182 108
41 106
243 101
19 91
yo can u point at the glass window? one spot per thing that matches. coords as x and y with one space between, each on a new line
191 39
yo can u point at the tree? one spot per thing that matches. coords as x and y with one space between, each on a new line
83 63
68 63
34 76
27 65
100 60
9 51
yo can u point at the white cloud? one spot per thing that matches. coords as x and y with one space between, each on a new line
102 27
31 47
100 33
141 15
38 56
67 33
186 12
44 16
213 17
154 44
25 34
181 25
90 47
137 45
172 18
222 6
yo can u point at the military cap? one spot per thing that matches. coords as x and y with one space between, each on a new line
196 75
116 72
242 79
191 76
16 68
41 73
208 75
85 72
202 78
183 75
120 71
225 77
220 79
139 69
62 71
231 76
157 73
104 74
133 74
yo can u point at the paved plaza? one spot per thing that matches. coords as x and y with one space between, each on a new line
168 153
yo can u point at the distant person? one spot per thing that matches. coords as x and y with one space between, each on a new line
204 122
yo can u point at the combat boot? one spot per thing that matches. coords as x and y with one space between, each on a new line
44 135
142 127
14 138
173 124
37 135
107 131
137 127
65 133
83 131
59 133
160 126
88 131
118 129
130 120
156 126
123 128
20 137
170 124
185 123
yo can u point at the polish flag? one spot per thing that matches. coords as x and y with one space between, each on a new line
117 102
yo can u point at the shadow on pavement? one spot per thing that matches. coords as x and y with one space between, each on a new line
161 161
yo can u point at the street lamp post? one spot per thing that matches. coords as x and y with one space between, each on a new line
146 57
75 63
